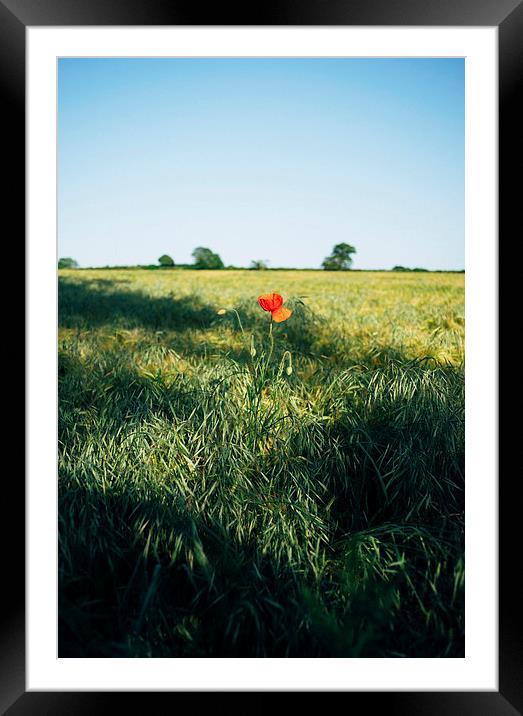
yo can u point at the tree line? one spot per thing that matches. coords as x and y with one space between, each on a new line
339 260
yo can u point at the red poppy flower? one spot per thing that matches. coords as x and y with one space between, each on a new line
273 302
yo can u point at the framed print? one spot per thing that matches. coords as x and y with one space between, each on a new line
288 485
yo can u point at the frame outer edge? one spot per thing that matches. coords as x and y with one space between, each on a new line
12 656
510 38
12 616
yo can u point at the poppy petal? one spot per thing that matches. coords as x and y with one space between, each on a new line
270 301
281 314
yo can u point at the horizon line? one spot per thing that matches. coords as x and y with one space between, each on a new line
191 267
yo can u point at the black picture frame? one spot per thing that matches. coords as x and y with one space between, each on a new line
15 17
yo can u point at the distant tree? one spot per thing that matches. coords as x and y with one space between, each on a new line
206 259
259 265
67 263
165 260
405 268
340 259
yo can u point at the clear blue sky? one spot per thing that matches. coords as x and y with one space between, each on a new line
275 159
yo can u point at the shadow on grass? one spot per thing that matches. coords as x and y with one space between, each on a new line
145 577
188 591
101 302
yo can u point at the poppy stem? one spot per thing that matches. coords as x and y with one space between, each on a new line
271 338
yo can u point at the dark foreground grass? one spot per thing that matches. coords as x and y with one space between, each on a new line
214 503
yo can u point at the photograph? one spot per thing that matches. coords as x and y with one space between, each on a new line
261 357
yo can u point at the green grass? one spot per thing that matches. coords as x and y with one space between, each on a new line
214 503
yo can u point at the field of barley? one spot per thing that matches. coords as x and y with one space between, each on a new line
231 489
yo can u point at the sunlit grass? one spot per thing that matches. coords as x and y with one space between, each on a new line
212 504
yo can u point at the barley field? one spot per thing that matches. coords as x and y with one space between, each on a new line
232 489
